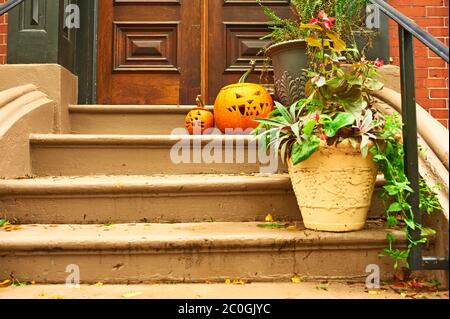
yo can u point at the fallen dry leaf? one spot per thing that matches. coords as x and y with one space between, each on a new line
269 218
235 282
415 286
10 228
98 284
131 295
402 274
322 287
239 282
5 284
42 294
296 279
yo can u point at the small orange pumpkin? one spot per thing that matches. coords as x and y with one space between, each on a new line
199 119
238 105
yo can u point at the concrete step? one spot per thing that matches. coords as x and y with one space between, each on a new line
158 199
77 155
189 253
279 290
127 119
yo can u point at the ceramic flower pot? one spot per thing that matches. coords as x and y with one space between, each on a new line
289 61
334 188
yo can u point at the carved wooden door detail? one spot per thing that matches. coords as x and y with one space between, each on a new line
235 28
148 51
168 51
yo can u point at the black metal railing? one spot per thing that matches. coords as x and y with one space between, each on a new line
408 30
8 5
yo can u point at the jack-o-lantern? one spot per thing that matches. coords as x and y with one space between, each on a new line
238 105
199 119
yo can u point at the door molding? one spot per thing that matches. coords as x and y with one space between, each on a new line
86 52
204 77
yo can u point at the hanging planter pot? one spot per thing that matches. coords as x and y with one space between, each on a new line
289 60
334 188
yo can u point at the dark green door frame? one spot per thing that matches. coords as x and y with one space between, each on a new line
86 52
37 33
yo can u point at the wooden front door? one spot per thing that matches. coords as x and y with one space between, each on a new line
169 51
235 27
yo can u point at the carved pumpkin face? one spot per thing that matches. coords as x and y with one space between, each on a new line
237 106
199 119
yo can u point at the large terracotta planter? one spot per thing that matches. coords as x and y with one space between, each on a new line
289 60
334 188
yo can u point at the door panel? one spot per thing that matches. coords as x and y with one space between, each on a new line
167 52
34 32
235 27
149 51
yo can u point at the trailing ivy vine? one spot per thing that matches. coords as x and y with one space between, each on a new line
389 156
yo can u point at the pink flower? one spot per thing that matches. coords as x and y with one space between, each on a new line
328 24
379 63
317 117
322 15
323 136
314 21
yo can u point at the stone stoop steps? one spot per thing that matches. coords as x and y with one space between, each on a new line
97 154
262 291
127 119
108 199
177 253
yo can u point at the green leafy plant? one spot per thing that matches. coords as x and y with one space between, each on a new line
347 13
390 158
428 198
339 107
291 131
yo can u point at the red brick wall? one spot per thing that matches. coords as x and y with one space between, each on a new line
431 72
3 32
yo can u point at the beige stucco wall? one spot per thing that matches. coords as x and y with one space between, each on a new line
15 129
54 80
390 76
